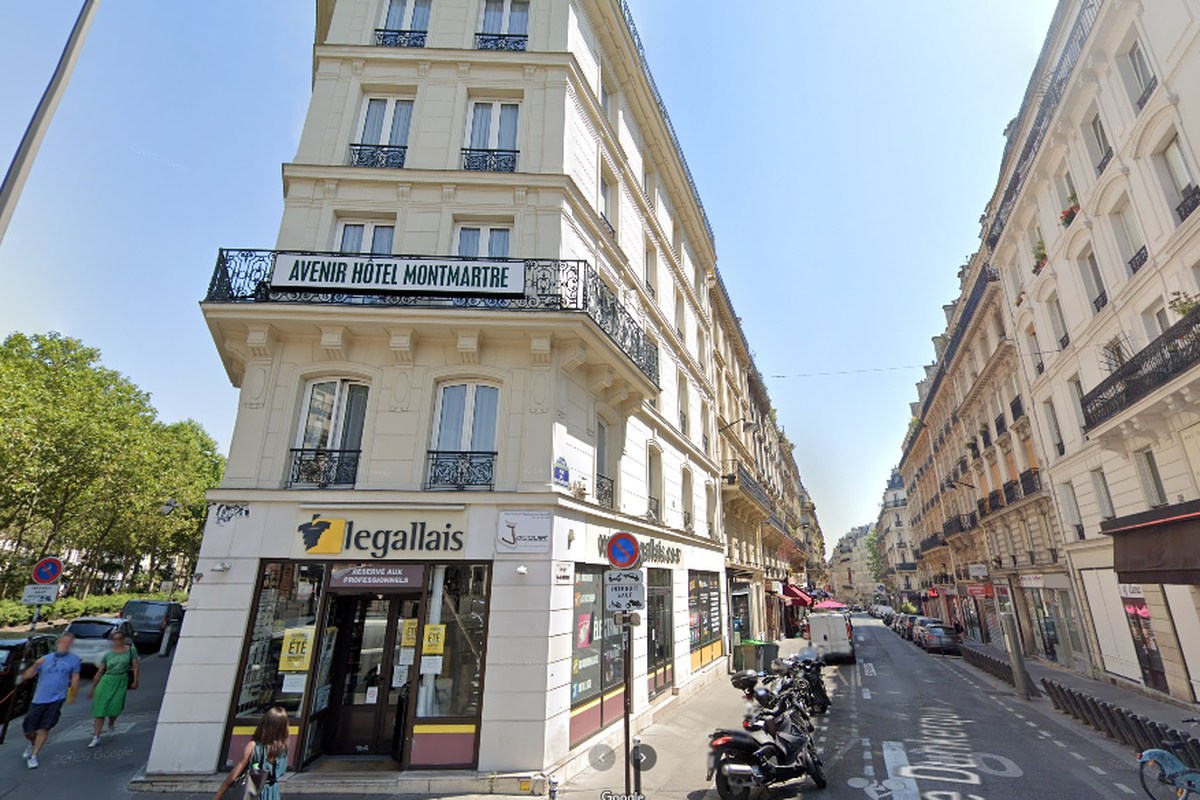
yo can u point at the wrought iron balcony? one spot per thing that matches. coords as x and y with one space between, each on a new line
1017 407
510 42
683 428
1031 482
461 470
1040 367
1144 98
1139 260
1012 492
906 566
1079 532
712 531
608 225
1191 199
1060 448
1100 301
380 156
1172 354
386 37
687 521
1001 425
653 509
477 160
995 502
952 526
1104 162
704 443
651 291
930 542
244 276
604 491
324 468
986 436
972 521
752 487
1064 341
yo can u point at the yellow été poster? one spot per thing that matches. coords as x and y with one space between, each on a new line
297 649
435 640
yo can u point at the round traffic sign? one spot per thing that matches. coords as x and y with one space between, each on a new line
623 550
48 570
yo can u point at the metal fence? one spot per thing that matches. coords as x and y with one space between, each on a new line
998 668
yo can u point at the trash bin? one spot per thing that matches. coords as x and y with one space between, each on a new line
767 652
756 655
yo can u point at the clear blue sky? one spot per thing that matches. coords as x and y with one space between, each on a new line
844 152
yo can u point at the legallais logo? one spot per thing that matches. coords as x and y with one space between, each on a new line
323 536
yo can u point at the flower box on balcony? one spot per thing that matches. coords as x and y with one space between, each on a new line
1068 215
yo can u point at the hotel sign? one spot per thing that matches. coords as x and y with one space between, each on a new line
442 276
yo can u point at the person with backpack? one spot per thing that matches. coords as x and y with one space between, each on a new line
263 761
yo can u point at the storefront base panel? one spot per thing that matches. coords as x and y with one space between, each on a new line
242 735
354 784
443 745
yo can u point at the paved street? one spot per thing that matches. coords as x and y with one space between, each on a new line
904 726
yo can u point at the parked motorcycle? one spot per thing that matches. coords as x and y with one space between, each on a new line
774 745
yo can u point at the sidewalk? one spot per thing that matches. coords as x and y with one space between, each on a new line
679 740
1167 713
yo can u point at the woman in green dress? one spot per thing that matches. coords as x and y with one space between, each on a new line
119 672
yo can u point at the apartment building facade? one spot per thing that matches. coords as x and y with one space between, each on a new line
893 542
482 344
1092 230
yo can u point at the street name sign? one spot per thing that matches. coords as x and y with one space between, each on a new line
40 594
624 590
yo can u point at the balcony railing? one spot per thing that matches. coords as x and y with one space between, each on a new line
461 470
653 509
995 503
1079 532
1139 259
930 542
608 225
1191 199
385 37
324 468
1060 448
244 276
1012 492
380 156
1031 482
972 521
752 487
1040 367
1100 301
683 428
511 42
704 443
1017 407
906 566
1104 162
1064 341
604 491
1144 98
477 160
1173 353
650 289
1001 425
687 521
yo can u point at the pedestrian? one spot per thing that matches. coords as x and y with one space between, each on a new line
267 750
119 672
58 681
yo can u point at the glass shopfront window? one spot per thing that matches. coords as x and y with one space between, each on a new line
597 662
704 616
452 652
282 635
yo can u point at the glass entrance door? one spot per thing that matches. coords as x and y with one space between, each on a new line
659 632
373 674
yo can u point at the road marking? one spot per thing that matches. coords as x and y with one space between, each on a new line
866 742
869 669
1018 716
1123 788
895 757
866 693
1060 744
1076 755
868 771
1031 724
1097 770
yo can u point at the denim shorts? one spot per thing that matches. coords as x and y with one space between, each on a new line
42 716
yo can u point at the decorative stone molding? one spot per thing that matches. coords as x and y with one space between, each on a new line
464 70
540 348
336 341
519 194
357 66
404 192
530 71
449 191
572 357
468 346
599 379
403 343
618 394
261 341
331 190
423 69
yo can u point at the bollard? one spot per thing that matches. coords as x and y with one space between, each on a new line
1009 623
637 766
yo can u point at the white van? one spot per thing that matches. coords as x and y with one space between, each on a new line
832 636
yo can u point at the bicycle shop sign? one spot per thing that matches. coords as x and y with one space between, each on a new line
446 276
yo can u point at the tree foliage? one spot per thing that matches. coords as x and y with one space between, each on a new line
85 467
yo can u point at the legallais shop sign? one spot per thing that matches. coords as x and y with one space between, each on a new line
403 275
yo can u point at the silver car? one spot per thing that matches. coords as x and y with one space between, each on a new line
93 637
942 638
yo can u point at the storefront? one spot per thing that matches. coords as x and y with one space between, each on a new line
1051 617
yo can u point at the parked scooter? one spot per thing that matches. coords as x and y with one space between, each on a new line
809 665
774 745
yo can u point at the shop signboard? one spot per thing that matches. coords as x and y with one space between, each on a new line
523 532
363 534
977 570
378 576
980 590
1032 581
1130 590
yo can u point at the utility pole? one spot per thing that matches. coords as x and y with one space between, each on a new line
22 163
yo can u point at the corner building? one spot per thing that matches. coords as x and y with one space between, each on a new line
480 347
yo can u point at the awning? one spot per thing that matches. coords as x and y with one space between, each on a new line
797 597
1157 546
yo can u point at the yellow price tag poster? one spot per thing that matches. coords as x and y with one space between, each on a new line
435 640
409 637
297 650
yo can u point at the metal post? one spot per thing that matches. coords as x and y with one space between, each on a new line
627 640
37 612
637 766
1016 657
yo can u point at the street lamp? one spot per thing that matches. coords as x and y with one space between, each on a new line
748 426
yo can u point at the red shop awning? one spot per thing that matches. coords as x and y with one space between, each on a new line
796 595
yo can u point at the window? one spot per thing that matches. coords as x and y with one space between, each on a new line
1184 196
704 426
701 350
1129 237
1077 400
1094 281
1053 428
1058 322
1152 483
689 520
608 211
367 237
466 416
679 313
651 276
1070 507
1035 350
606 101
684 404
505 25
407 15
384 134
1103 496
597 657
1143 77
329 441
471 239
458 601
1156 321
492 138
648 187
1100 139
1114 354
704 613
654 484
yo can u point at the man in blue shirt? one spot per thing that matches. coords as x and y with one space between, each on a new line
58 681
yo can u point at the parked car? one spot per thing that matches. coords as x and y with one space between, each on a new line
909 624
152 620
16 656
832 636
92 638
898 623
942 638
920 626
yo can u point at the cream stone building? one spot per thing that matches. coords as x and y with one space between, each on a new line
893 541
485 341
